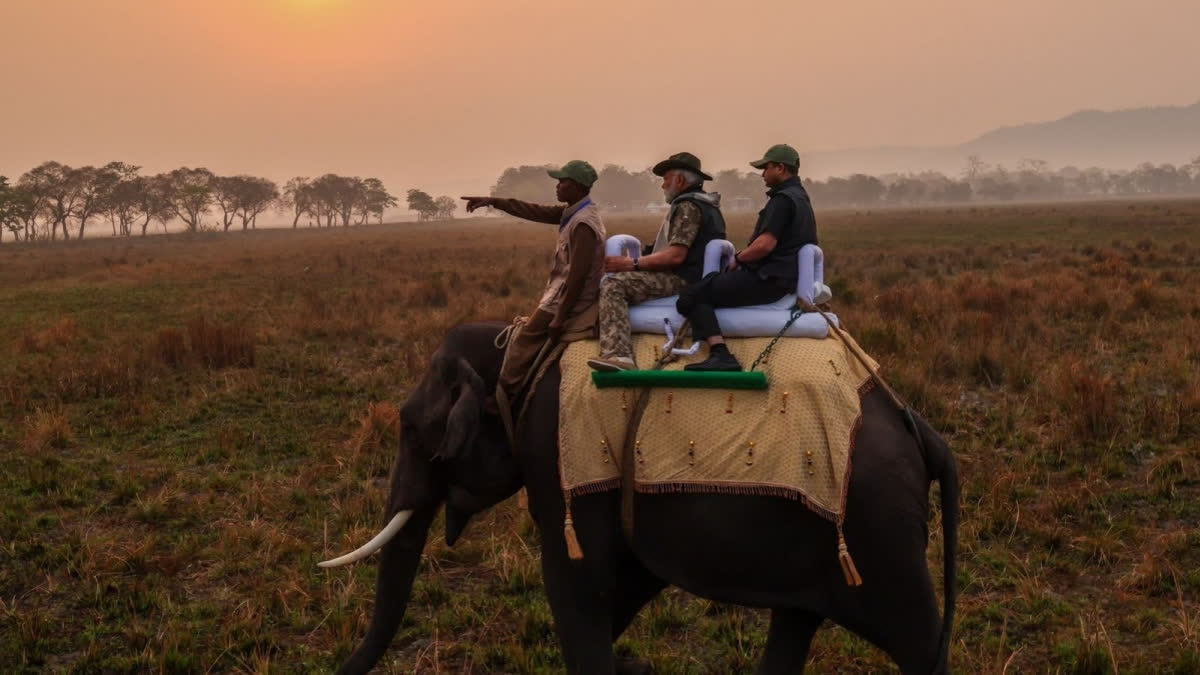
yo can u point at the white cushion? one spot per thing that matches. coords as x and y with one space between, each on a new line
752 321
755 321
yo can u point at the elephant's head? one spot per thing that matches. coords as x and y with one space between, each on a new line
450 452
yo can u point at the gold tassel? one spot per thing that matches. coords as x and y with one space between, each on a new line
574 552
848 568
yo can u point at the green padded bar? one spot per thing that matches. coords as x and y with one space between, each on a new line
680 379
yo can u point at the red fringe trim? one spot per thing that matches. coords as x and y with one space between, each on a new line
867 387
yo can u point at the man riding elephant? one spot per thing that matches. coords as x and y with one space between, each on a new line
765 270
675 260
567 305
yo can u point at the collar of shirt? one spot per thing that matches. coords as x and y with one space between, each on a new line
794 180
572 210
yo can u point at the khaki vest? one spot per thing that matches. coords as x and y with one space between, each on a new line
583 214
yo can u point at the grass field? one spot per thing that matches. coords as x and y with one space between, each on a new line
188 424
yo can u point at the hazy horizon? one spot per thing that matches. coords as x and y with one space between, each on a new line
444 97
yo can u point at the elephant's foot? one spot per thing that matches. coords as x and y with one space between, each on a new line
627 665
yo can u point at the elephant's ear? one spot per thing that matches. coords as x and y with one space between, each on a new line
467 394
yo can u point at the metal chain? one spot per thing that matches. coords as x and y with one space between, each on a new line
797 311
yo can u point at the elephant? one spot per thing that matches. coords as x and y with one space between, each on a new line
783 558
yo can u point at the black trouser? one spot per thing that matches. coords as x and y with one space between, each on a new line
741 287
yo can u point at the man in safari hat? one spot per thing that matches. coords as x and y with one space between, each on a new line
676 258
568 303
764 271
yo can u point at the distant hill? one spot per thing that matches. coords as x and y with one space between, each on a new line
1119 139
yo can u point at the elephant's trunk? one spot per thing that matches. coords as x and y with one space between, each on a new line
398 564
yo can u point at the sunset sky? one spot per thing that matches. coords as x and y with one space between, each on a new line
444 95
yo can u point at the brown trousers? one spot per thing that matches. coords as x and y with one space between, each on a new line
525 344
523 348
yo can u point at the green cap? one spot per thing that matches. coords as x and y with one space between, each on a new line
577 170
781 154
680 160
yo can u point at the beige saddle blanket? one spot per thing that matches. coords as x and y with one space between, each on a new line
792 440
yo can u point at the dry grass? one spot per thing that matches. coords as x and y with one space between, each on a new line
188 423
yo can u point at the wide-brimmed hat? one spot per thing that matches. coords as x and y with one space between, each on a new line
680 160
577 170
780 154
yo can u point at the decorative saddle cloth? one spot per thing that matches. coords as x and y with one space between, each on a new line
792 440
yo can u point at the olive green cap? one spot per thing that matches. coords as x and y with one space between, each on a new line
577 170
680 160
781 154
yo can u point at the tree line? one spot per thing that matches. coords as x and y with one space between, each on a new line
619 189
53 199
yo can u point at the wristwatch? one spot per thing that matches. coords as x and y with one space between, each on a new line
635 265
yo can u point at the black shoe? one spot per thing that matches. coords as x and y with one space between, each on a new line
717 362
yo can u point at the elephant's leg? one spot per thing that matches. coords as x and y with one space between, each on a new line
901 619
635 587
583 614
788 640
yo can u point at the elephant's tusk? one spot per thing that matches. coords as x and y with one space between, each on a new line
385 535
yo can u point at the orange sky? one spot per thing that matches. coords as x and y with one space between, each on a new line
444 95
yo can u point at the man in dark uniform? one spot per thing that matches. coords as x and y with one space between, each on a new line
764 271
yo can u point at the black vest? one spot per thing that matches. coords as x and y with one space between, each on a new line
780 263
712 226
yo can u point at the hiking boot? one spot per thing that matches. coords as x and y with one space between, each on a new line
717 361
612 364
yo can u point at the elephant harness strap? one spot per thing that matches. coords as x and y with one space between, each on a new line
628 465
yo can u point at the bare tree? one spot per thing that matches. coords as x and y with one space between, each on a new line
254 195
154 201
422 203
191 195
350 193
376 200
225 195
325 196
120 203
12 202
55 183
91 187
21 208
445 207
976 167
36 185
297 197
